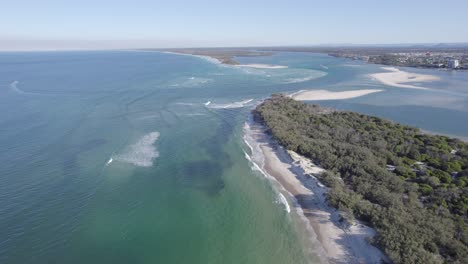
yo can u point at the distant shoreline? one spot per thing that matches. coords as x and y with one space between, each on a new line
224 56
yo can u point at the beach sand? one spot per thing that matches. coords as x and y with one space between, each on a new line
402 79
320 95
262 66
342 242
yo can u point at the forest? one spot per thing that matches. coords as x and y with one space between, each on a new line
411 187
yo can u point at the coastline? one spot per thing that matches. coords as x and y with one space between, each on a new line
205 57
222 56
341 242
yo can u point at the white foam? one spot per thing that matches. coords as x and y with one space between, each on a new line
207 103
303 79
191 82
182 103
258 157
14 87
255 166
142 153
355 241
239 104
257 160
109 161
283 201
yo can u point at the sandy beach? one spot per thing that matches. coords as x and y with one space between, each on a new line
398 78
211 59
262 66
342 242
320 95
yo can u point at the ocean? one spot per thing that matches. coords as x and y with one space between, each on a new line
138 157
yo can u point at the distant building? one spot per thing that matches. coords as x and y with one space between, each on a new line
453 63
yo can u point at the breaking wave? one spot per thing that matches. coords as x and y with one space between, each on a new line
303 79
14 87
192 82
142 153
182 103
282 200
257 161
239 104
284 75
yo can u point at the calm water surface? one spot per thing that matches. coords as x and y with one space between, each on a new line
137 157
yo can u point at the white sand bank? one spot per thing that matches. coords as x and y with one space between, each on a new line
342 243
402 79
262 66
320 95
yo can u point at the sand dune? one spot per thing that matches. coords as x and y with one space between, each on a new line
402 79
320 95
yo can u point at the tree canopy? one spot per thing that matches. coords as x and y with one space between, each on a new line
410 186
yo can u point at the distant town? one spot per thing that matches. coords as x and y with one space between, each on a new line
427 59
437 56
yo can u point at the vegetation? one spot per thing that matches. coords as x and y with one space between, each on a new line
411 187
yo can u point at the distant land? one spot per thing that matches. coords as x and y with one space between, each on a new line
224 55
452 56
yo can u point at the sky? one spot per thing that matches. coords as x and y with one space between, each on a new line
105 24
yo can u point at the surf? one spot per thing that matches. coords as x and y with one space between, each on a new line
142 153
239 104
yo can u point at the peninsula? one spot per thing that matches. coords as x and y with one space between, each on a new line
223 55
410 187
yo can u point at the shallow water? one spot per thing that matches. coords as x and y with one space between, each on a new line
179 188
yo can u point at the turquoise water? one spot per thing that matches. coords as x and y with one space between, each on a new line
179 188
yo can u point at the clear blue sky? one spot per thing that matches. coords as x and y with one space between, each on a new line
54 24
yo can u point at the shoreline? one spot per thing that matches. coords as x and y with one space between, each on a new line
222 56
341 242
402 79
321 95
205 57
261 66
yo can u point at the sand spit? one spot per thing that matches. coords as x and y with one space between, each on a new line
342 242
262 66
321 95
398 78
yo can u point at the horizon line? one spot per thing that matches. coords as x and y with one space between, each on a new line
328 45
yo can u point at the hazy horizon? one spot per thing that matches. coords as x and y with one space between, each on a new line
27 25
103 45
